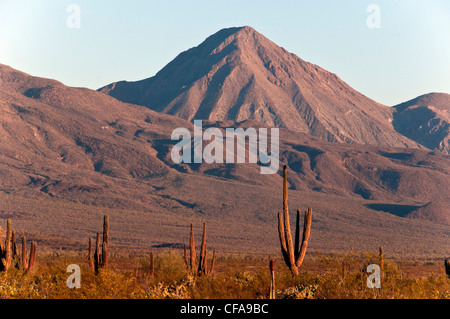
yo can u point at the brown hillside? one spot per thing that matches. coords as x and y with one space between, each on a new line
436 212
238 74
426 120
69 155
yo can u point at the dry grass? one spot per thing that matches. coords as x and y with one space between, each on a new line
237 277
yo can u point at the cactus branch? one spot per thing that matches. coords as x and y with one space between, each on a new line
281 234
192 248
90 256
213 262
305 238
32 259
97 254
24 253
202 260
272 266
6 256
447 267
105 255
293 255
152 264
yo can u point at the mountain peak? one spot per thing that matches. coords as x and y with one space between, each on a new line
223 34
238 74
436 99
244 32
235 39
426 120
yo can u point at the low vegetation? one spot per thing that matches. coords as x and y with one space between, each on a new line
171 274
248 277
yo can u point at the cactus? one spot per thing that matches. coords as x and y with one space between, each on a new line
105 256
202 267
381 261
9 251
32 259
8 245
1 244
272 267
192 249
13 245
24 254
152 264
97 254
90 256
185 255
2 253
293 255
101 257
6 251
30 264
213 261
447 267
202 261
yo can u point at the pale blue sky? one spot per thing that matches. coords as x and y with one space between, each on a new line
407 56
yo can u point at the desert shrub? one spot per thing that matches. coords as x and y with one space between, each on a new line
233 283
18 288
169 267
332 277
175 290
297 292
224 285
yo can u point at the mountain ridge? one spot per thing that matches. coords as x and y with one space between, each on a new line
426 120
69 155
238 74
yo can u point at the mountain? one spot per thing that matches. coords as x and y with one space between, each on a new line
69 155
56 137
426 120
432 211
238 74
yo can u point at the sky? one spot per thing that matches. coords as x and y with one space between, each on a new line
389 50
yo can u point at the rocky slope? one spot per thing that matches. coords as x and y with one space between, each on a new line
238 74
68 155
426 120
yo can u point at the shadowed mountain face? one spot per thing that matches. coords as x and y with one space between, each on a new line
426 120
49 130
69 155
238 74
